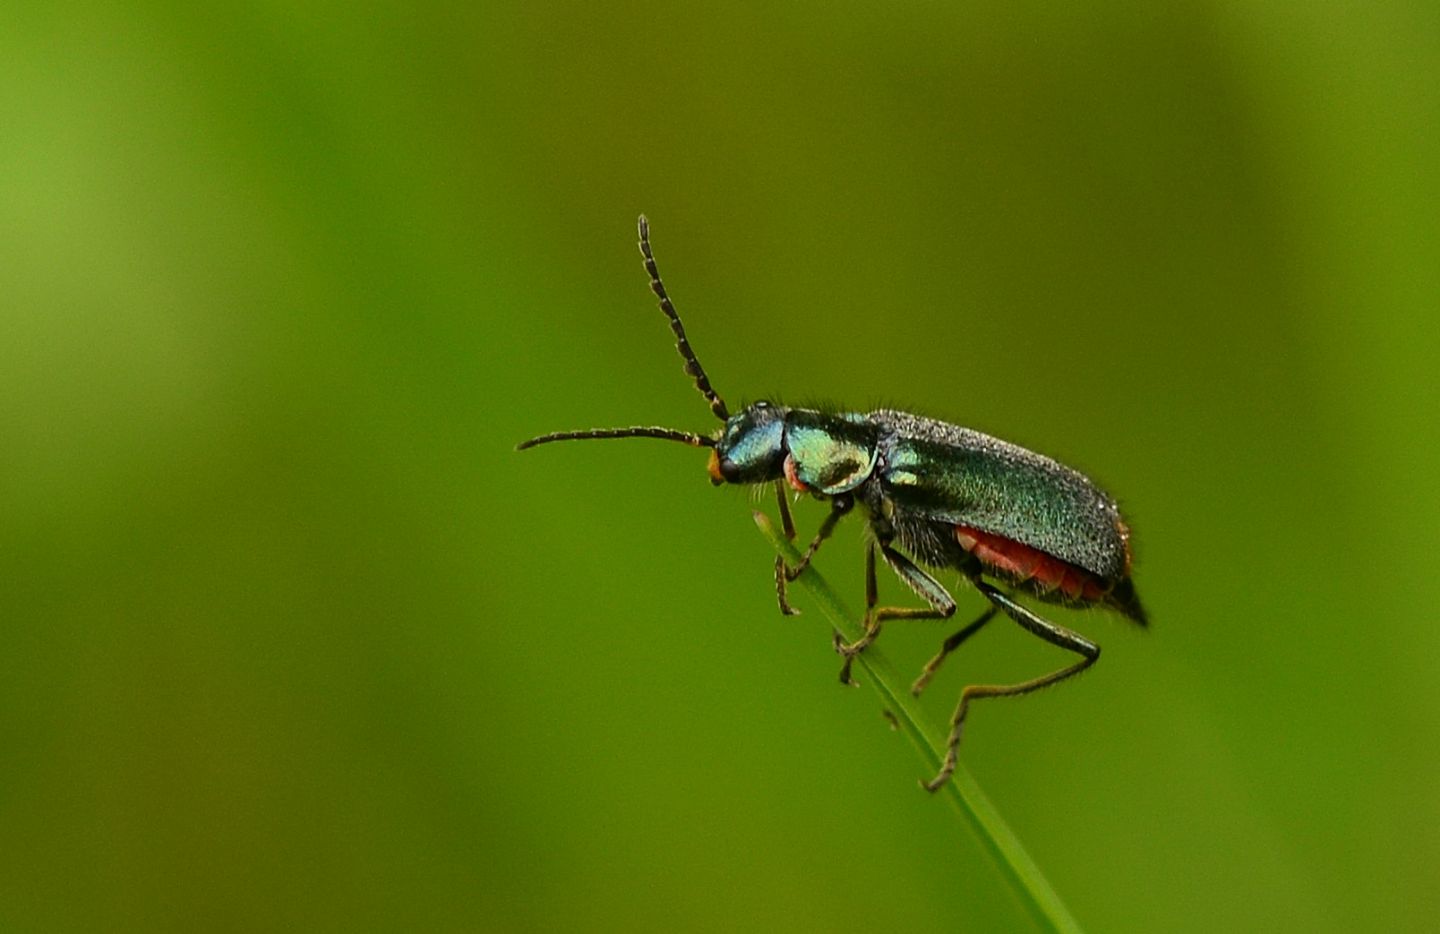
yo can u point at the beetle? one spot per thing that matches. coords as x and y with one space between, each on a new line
933 494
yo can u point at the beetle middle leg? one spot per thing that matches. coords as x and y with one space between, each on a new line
839 507
1052 633
942 605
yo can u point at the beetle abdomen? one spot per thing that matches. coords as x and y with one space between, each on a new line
1023 564
1048 576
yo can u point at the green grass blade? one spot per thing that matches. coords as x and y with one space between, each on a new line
1029 884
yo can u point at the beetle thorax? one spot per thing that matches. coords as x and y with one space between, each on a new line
828 453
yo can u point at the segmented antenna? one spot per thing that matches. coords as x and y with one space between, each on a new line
665 434
682 344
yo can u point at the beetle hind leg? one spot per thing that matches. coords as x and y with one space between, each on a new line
1053 633
950 645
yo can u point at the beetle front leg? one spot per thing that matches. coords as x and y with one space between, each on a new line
839 507
942 605
788 524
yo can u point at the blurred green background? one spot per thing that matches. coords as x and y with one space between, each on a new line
296 641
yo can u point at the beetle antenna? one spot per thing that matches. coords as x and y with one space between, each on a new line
665 434
682 344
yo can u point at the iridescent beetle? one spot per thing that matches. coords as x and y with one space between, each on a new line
932 493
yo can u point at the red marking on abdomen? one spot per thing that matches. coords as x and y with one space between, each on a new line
1022 563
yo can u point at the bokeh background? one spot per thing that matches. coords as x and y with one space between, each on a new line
294 640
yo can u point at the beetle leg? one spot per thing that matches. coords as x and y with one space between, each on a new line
839 507
926 587
788 524
950 645
786 521
1051 632
942 605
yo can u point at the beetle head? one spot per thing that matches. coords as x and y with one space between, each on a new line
751 448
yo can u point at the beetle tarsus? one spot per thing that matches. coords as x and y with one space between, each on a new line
782 574
840 645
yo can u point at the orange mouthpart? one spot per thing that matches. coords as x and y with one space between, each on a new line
714 468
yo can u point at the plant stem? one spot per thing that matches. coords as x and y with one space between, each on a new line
1030 886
